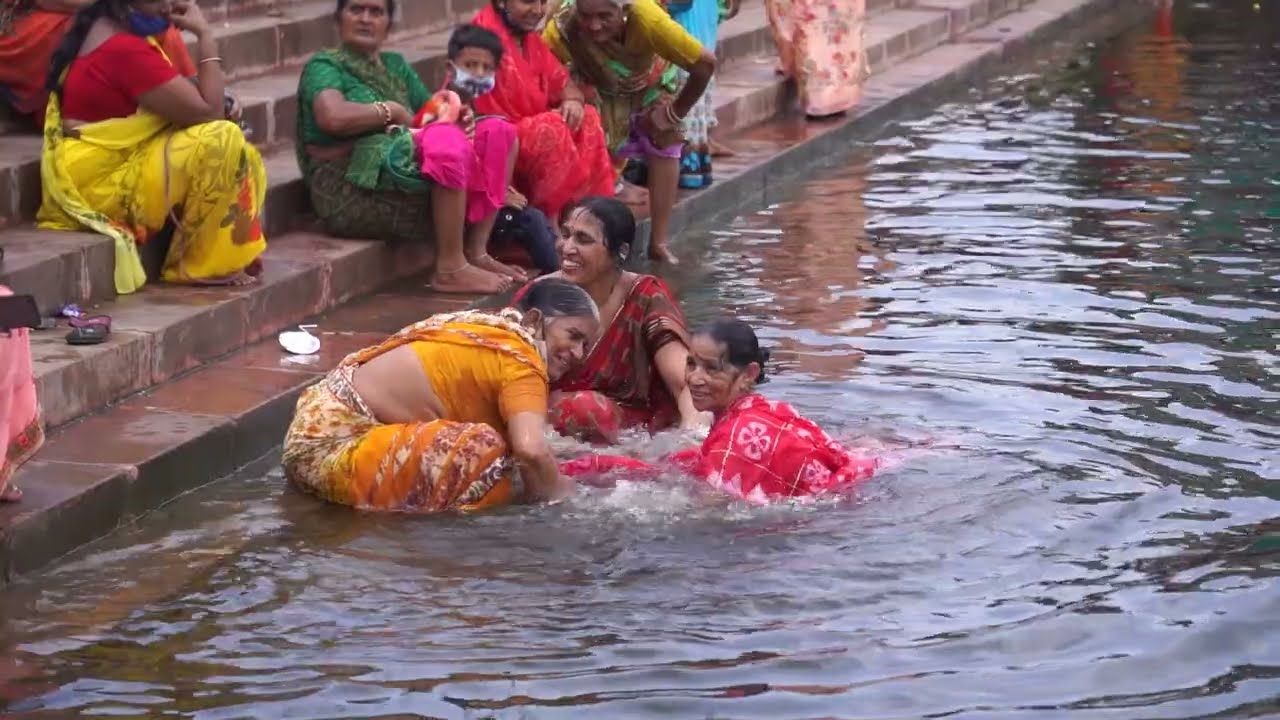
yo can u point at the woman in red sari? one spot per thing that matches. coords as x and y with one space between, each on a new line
758 449
30 30
634 375
563 153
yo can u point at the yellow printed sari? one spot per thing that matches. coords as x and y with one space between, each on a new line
126 177
337 450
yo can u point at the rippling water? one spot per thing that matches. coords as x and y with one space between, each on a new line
1061 317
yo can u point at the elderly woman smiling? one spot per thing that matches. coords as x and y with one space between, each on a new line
367 182
628 52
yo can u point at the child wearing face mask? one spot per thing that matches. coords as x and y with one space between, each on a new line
474 55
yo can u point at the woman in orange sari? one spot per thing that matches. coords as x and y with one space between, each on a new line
563 156
440 416
634 375
21 430
30 30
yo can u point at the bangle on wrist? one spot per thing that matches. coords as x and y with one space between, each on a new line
211 59
384 111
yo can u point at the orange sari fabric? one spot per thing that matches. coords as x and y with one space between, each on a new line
822 44
27 48
336 449
557 165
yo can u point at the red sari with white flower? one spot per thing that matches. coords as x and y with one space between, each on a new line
758 450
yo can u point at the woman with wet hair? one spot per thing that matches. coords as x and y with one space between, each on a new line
368 179
439 416
30 32
131 146
758 449
634 374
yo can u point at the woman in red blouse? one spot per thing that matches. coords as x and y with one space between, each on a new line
131 147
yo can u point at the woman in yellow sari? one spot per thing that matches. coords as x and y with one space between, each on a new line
440 415
131 146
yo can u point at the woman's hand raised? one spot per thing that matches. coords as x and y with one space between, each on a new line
186 15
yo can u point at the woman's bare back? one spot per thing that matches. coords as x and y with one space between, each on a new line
396 389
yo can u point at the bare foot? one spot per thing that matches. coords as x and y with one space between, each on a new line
488 262
469 280
255 268
660 253
719 149
10 494
633 195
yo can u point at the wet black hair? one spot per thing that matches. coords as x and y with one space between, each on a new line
741 345
555 297
474 36
391 10
69 49
617 219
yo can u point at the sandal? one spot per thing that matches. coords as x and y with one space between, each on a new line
89 334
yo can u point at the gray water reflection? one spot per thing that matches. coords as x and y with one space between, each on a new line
1057 305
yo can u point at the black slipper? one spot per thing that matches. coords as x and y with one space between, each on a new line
88 335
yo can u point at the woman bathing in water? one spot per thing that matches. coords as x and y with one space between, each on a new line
758 449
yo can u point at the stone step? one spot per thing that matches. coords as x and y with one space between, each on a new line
44 268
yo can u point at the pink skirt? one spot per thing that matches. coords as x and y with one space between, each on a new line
21 429
477 166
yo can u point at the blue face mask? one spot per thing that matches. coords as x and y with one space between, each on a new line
147 25
473 84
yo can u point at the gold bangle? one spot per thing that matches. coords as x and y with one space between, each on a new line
214 59
384 111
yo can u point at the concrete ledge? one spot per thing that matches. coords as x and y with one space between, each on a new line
203 425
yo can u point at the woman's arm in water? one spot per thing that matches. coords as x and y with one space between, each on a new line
670 360
533 454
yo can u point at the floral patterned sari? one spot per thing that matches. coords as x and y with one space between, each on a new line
758 450
821 44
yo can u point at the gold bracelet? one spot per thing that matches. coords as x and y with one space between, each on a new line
384 111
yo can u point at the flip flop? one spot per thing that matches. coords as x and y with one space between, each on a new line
94 334
90 321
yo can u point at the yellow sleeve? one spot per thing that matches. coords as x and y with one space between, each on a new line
551 35
525 392
665 36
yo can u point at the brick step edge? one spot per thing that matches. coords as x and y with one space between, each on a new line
80 488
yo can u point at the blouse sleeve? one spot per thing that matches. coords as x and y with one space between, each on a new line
666 36
148 68
318 75
664 323
525 392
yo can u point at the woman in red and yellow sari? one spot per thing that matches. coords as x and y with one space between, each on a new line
563 156
30 30
440 416
758 450
634 375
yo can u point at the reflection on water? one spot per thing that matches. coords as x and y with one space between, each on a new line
1059 302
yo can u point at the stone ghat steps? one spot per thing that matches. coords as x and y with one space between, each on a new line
165 331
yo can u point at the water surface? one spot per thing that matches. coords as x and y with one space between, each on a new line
1056 306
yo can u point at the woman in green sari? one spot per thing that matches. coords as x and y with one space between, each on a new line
364 174
628 52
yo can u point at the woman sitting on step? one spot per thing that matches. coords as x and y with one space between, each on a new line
563 152
628 52
131 146
432 419
30 31
366 178
634 375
